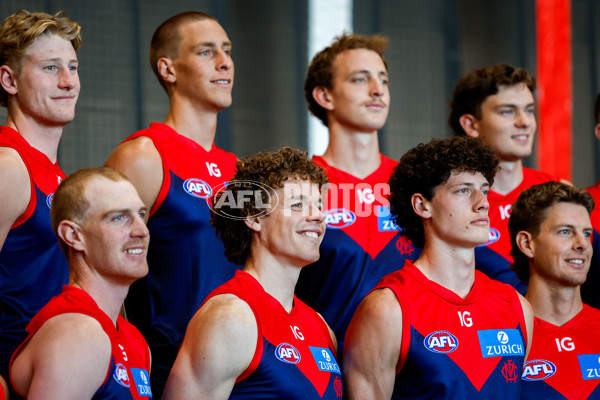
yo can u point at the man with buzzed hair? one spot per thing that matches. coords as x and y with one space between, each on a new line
39 86
346 87
175 165
79 347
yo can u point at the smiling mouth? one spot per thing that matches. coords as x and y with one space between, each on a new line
133 251
575 261
222 81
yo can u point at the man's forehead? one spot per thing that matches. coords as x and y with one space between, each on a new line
355 60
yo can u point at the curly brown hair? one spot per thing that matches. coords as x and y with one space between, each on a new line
529 212
423 168
320 71
268 172
472 90
21 29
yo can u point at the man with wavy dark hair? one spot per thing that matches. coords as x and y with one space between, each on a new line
438 328
252 338
550 232
496 105
39 86
346 87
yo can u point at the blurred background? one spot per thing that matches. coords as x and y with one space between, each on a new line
432 43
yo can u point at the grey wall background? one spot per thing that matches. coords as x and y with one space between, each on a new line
432 43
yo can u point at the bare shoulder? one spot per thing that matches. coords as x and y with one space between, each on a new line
140 161
15 189
72 349
224 311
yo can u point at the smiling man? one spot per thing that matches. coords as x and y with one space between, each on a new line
551 232
252 338
175 165
39 86
496 105
438 328
79 347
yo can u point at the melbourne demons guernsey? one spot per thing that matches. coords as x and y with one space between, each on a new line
185 257
493 258
127 376
294 357
361 245
32 266
455 348
564 361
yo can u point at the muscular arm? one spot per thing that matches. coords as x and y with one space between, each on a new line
372 347
139 161
528 314
218 347
15 190
67 358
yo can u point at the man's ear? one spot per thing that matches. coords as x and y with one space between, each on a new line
322 97
8 80
166 69
525 243
597 130
420 205
70 233
469 124
253 223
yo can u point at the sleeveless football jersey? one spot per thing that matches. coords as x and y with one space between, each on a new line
564 361
493 258
127 376
361 245
454 348
294 357
185 257
32 266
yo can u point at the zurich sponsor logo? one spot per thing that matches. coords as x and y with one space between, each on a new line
501 342
325 360
120 375
441 342
494 236
49 199
537 370
197 188
287 353
590 366
141 378
339 218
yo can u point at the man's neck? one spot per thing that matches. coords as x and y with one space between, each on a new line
42 138
192 122
554 304
508 177
354 152
450 267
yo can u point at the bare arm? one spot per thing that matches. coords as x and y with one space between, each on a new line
372 347
67 358
139 161
218 347
528 314
15 190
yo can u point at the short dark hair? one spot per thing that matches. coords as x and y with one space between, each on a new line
529 212
476 86
270 170
423 168
320 71
167 38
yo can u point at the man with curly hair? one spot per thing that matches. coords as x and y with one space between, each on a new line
39 86
252 338
496 105
438 328
550 232
347 89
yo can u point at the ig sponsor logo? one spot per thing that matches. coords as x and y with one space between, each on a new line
441 342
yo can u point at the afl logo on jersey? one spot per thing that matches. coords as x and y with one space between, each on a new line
120 375
49 199
197 188
287 353
494 236
441 342
537 370
339 218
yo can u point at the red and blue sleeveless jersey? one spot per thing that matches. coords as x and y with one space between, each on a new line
32 267
564 361
361 245
127 377
493 258
186 259
455 348
589 290
294 357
